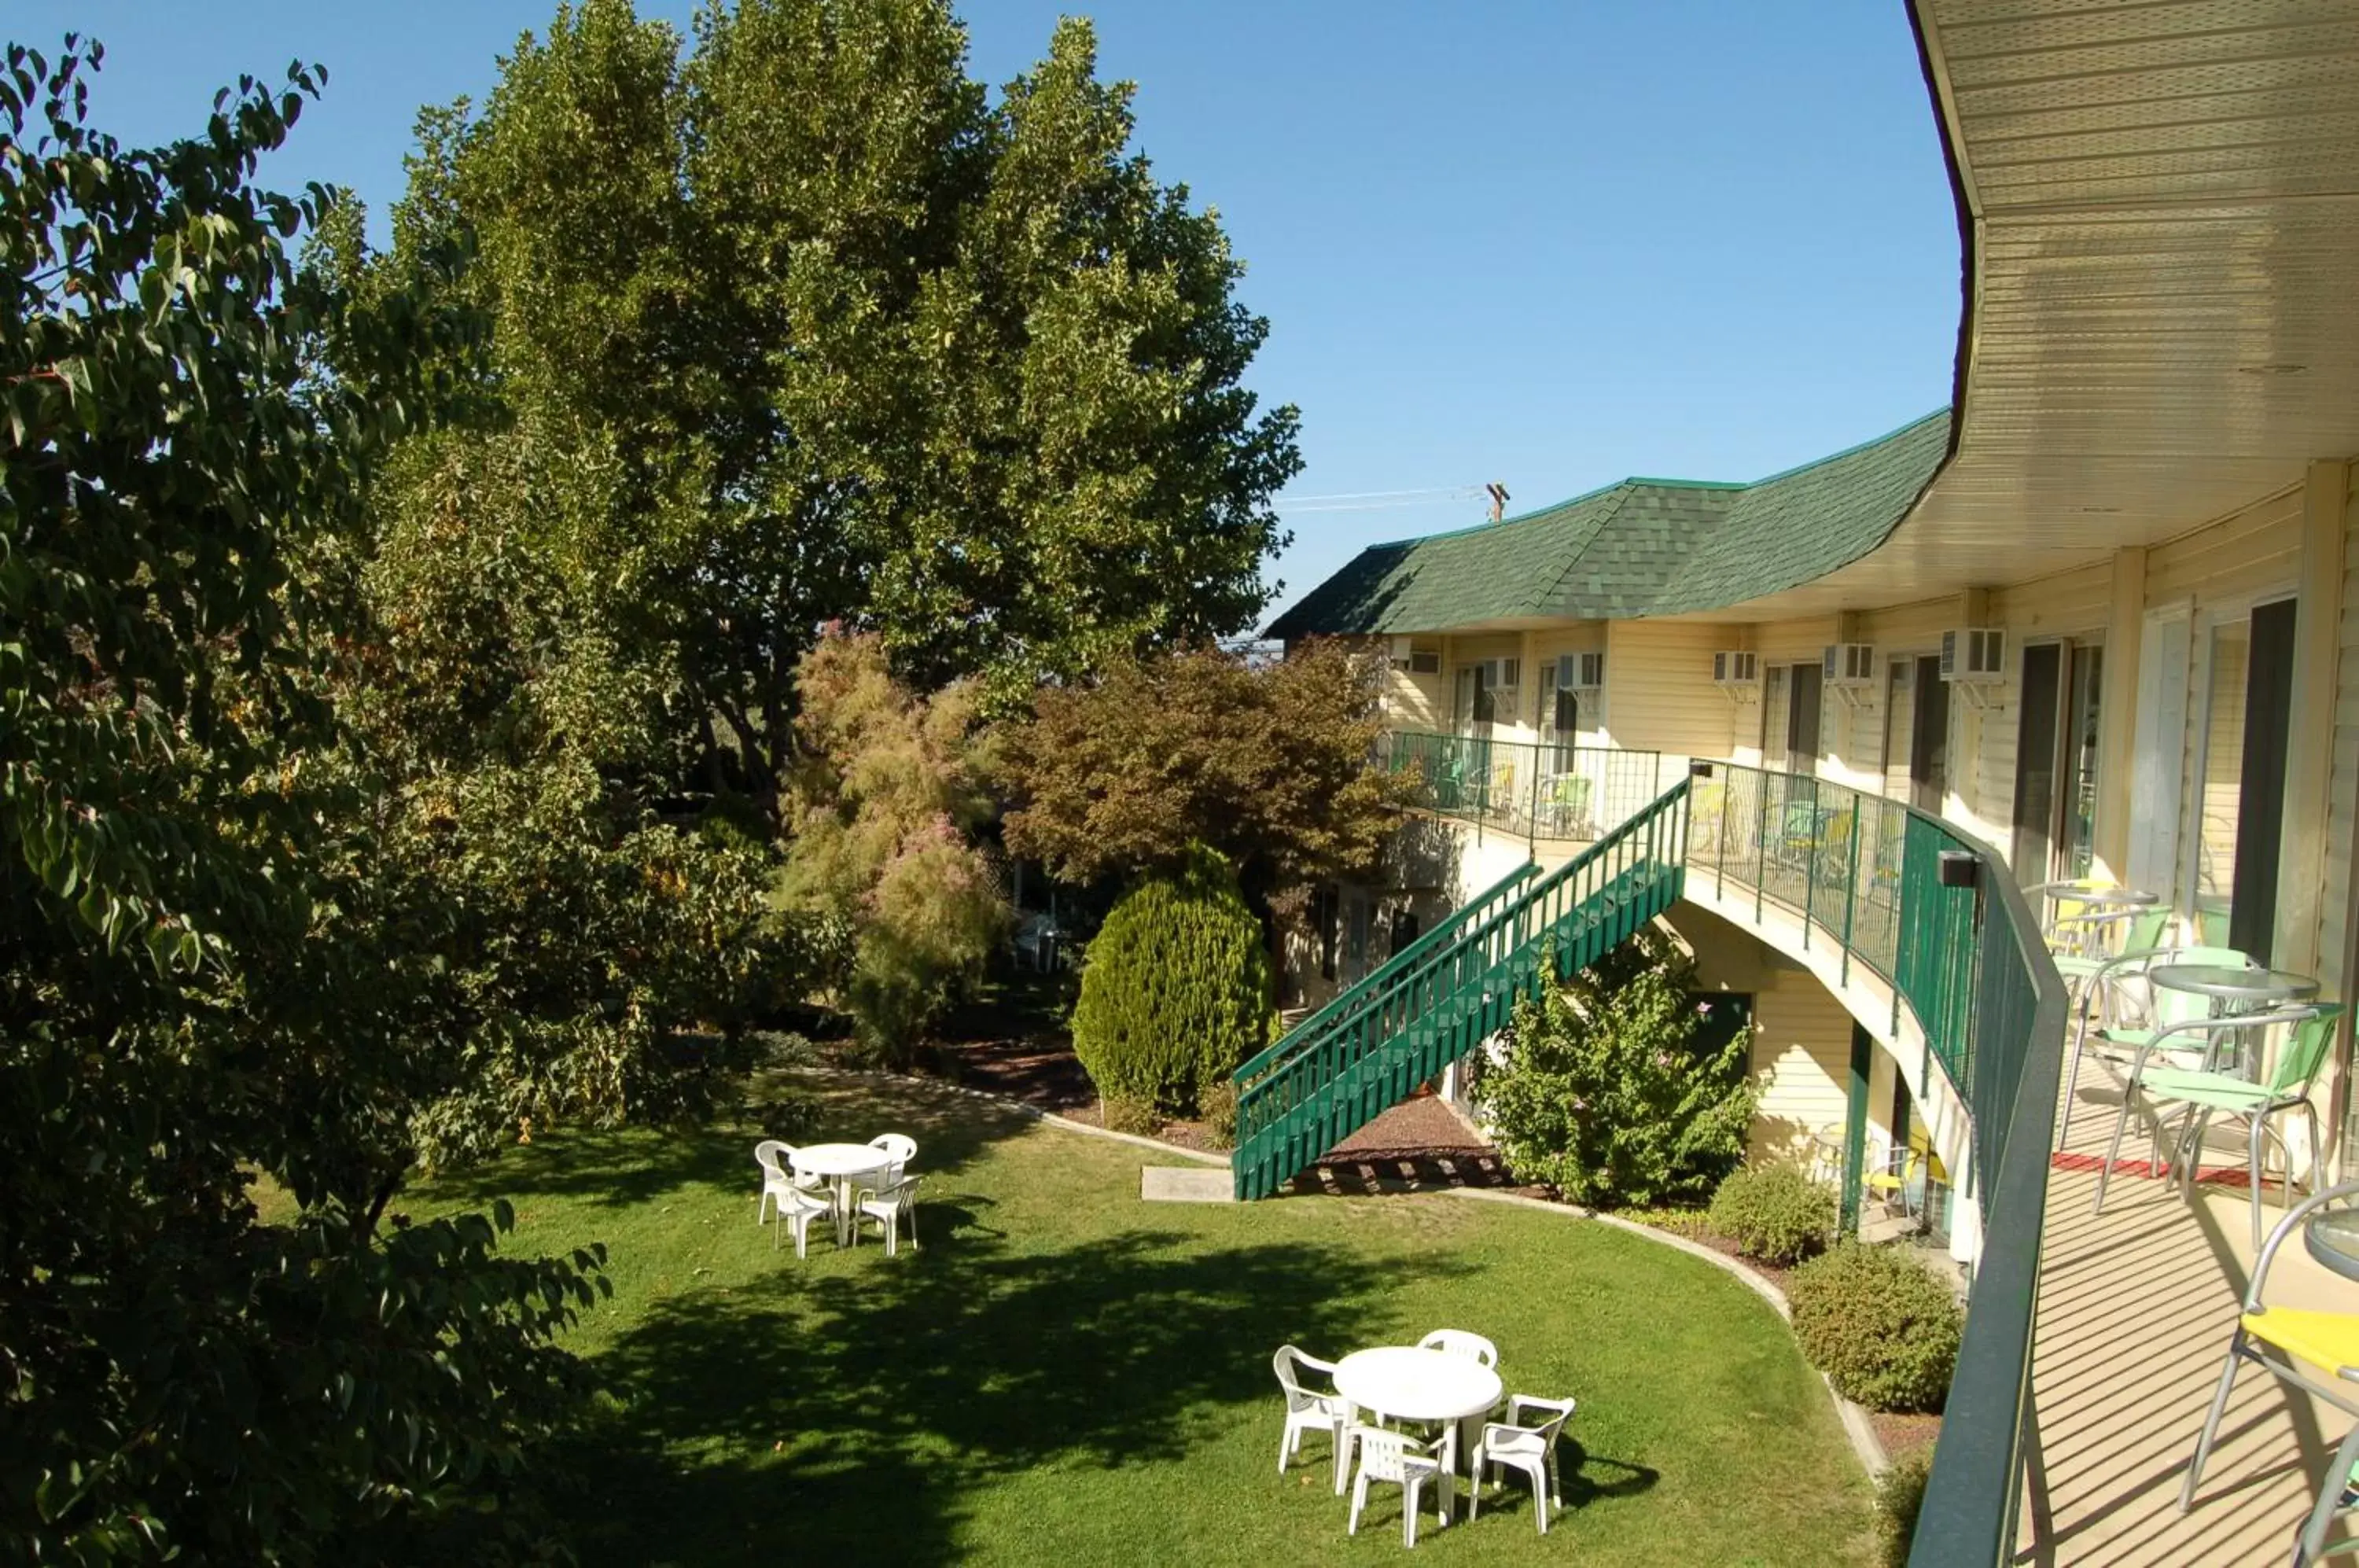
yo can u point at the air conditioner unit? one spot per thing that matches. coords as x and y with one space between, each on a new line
1848 666
1408 658
1974 656
1737 673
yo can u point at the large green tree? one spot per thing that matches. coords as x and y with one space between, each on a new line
861 341
201 977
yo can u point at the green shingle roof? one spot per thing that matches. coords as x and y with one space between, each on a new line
1644 547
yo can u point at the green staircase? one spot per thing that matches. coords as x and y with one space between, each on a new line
1449 991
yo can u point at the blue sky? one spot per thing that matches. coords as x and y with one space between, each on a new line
1550 241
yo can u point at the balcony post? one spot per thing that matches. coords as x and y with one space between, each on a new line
1855 1159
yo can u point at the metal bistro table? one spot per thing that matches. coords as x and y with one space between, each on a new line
1407 1383
2233 991
843 1163
2122 901
2332 1237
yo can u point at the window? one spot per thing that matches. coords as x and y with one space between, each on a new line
1775 716
1425 661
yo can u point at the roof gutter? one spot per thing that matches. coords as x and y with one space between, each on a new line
1934 63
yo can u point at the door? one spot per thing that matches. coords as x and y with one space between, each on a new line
1900 698
1776 714
1802 721
2035 761
2260 806
1560 714
1928 738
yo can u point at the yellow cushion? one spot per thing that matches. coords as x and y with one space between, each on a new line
2323 1339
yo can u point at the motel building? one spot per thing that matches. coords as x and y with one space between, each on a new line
2096 622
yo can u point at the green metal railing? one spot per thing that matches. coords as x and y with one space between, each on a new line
1937 914
1444 995
1524 790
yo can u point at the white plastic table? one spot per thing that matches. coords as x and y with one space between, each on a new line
1407 1383
841 1163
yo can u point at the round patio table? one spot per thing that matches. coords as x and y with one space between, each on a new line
841 1163
1407 1383
2332 1237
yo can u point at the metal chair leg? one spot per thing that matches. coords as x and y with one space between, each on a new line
2211 1421
2329 1497
2113 1150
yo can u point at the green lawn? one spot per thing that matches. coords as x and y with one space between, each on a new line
1065 1374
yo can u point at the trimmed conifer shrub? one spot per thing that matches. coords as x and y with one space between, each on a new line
1175 988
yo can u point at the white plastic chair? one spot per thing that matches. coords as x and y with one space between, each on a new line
1393 1457
797 1209
1528 1448
778 1177
1307 1411
899 1148
886 1205
1458 1342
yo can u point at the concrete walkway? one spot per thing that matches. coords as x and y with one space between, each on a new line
2136 1309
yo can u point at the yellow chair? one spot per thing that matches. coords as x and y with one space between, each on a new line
1915 1164
2277 1338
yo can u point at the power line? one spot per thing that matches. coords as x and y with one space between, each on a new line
1380 500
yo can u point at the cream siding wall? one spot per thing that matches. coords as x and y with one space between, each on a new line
2257 549
1659 695
1801 1035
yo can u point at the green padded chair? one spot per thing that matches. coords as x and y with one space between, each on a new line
2173 1075
2200 1096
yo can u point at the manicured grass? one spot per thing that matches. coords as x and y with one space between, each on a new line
1066 1375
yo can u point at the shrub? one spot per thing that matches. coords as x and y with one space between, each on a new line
1900 1493
1878 1324
1175 990
1124 1113
1608 1094
1775 1213
1218 1102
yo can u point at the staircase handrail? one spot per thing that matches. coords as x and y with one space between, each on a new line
1306 1033
1354 996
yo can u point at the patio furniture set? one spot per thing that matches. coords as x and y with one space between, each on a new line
1443 1386
2187 1031
844 1183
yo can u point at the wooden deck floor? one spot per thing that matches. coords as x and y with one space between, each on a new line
2136 1309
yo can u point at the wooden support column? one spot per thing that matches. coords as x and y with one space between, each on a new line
2309 741
2117 714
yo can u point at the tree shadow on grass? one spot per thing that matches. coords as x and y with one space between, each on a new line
623 1168
856 1417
